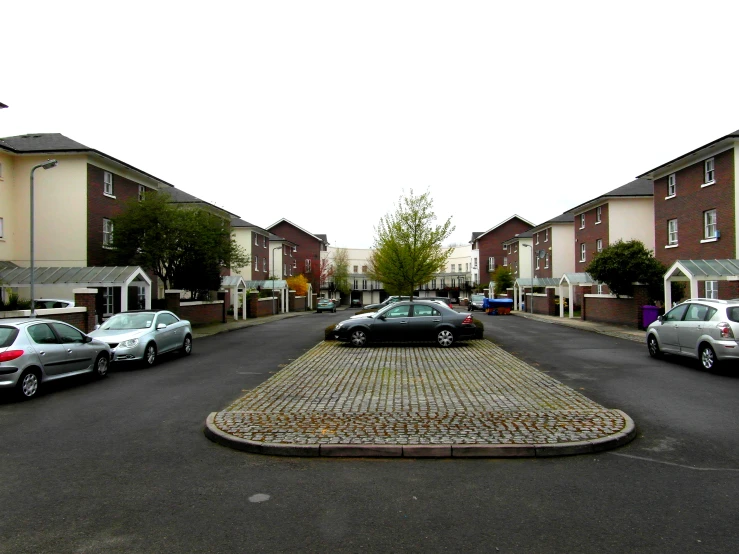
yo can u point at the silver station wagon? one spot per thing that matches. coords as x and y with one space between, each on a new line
700 328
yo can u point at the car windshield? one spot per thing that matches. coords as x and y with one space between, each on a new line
120 322
478 297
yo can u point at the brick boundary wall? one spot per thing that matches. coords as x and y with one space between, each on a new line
201 313
616 311
301 303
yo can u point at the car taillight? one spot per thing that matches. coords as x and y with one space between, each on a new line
725 331
10 355
467 319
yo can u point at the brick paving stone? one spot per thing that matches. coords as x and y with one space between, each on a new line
413 395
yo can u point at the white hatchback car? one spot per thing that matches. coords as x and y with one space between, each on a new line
700 328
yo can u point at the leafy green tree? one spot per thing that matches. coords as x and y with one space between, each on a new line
185 247
407 249
622 264
503 279
340 270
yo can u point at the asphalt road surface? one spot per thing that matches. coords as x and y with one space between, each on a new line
122 465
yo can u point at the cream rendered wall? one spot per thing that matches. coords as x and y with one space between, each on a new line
524 258
243 238
631 219
60 208
461 255
7 213
562 255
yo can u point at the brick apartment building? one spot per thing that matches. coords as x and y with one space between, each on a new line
487 247
304 254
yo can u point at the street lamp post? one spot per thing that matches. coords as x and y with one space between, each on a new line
274 300
48 164
532 276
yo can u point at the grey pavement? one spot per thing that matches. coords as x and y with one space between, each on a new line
417 400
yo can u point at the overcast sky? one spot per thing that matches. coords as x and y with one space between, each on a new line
324 113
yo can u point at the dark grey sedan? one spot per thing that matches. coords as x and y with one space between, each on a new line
408 321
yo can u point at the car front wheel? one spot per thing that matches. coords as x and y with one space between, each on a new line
358 338
150 355
653 347
445 338
101 366
187 346
708 358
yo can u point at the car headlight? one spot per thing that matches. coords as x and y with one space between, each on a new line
130 343
338 326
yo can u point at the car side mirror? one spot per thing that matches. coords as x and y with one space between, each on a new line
97 326
382 317
161 326
660 318
87 338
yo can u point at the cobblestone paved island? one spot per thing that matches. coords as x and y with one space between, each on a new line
473 399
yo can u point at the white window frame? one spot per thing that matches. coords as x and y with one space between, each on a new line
142 191
453 266
598 214
537 262
264 265
709 172
583 252
295 263
546 261
107 183
107 233
672 237
1 171
710 230
599 245
364 284
491 263
108 300
582 221
537 238
712 289
546 235
356 269
671 185
256 239
264 241
307 265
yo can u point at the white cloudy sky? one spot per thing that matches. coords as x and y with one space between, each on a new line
325 112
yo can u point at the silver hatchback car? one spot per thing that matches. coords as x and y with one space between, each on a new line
34 351
144 335
700 328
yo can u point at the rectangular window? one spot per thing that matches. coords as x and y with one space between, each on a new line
264 265
453 267
671 180
582 251
295 249
537 238
1 227
599 245
546 261
454 282
356 285
505 261
709 172
307 265
256 239
433 283
443 282
474 263
537 263
108 183
108 300
709 224
364 284
672 232
364 269
107 232
598 213
295 263
256 263
356 269
264 241
142 191
546 235
712 289
491 263
582 221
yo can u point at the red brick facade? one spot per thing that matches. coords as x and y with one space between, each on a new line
261 257
589 235
101 206
308 248
490 245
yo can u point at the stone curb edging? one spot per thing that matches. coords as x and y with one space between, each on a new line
423 451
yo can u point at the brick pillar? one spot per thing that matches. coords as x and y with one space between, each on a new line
551 305
223 295
85 298
314 300
291 301
641 297
252 303
172 298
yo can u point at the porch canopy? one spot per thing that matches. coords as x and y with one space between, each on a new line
520 284
236 286
272 284
80 277
573 280
699 270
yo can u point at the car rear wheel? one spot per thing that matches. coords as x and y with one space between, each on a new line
653 347
101 366
28 384
445 338
150 354
187 346
358 338
708 357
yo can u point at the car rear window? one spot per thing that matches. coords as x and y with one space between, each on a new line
7 336
733 313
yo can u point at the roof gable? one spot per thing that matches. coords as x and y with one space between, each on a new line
476 235
634 189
